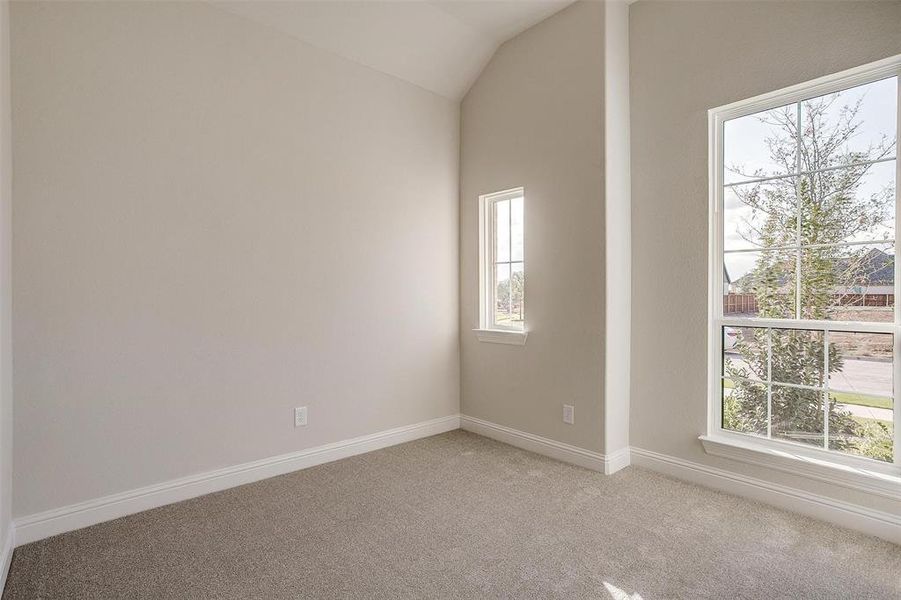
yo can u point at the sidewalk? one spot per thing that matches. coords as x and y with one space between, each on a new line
867 412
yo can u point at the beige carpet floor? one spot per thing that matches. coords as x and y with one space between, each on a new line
459 516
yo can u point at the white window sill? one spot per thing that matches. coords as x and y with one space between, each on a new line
851 473
502 336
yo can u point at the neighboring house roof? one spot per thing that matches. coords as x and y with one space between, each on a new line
874 268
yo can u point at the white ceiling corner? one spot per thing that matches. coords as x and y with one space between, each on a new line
439 45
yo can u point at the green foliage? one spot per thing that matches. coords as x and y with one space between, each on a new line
503 289
875 439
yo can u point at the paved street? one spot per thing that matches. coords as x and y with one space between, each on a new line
864 377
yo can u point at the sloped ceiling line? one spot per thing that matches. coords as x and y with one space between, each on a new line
439 45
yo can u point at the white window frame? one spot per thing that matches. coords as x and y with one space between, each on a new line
488 330
843 469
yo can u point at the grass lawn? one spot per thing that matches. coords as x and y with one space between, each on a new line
844 398
859 400
865 421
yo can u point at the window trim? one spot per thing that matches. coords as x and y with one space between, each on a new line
884 478
488 330
857 474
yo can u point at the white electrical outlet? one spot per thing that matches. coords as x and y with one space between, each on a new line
568 414
300 416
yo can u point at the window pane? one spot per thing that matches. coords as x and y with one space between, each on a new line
860 398
745 353
798 415
517 302
862 430
516 228
502 231
848 283
502 312
798 357
744 406
855 204
760 284
853 125
760 145
760 214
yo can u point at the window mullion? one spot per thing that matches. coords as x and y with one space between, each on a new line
896 383
826 389
873 242
798 146
896 345
769 382
492 283
798 386
850 165
510 258
849 326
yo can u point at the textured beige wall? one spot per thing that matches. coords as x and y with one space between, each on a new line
215 223
6 378
688 57
534 119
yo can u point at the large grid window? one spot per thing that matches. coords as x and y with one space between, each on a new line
503 261
804 319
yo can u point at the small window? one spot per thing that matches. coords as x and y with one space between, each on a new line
502 255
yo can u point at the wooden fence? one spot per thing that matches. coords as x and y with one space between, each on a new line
739 303
734 304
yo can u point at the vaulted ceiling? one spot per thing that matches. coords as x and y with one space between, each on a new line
439 45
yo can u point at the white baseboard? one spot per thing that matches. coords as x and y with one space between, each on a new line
541 445
68 518
618 460
6 558
880 524
41 525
